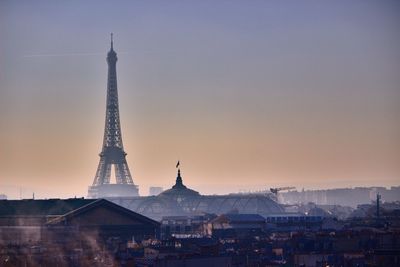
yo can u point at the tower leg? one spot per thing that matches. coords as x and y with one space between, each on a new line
103 172
122 173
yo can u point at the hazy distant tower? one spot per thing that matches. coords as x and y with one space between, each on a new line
112 156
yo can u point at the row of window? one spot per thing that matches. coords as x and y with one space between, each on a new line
294 219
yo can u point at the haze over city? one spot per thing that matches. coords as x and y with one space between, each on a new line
247 95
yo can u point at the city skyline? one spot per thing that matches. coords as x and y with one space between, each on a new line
246 96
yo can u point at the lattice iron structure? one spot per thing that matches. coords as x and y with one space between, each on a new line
112 154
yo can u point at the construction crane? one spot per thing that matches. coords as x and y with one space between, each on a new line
278 189
275 192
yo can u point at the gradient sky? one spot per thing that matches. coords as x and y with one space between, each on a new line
247 94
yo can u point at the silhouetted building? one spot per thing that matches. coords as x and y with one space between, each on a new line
70 221
185 226
293 222
236 225
351 197
180 200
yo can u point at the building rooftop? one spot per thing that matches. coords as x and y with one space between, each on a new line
238 218
179 189
42 207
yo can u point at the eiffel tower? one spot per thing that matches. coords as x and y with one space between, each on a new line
112 156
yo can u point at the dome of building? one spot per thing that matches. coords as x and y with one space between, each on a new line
180 200
179 191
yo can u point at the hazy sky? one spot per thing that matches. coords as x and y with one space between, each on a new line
247 94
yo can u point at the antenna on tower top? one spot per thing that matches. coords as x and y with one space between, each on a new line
111 40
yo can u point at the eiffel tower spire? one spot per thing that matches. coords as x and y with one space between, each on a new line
112 153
